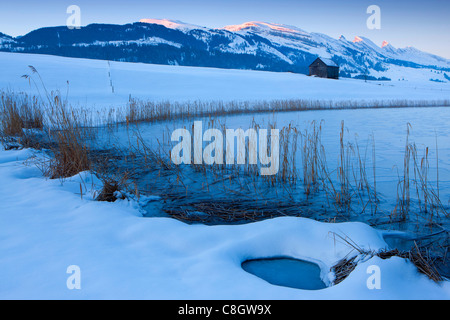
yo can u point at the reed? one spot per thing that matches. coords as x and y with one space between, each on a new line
347 186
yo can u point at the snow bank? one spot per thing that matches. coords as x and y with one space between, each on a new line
46 226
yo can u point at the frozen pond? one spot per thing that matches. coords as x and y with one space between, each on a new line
387 127
286 272
377 136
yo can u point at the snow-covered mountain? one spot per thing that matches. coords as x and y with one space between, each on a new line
251 45
5 40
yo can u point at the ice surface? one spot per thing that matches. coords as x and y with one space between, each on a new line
286 272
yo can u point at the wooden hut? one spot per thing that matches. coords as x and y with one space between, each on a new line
324 68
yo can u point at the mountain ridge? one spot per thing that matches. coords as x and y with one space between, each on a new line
252 45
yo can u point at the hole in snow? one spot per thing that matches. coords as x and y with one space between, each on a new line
286 272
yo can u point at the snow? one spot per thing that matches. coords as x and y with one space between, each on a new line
46 226
367 42
90 85
264 26
173 24
329 62
153 41
293 37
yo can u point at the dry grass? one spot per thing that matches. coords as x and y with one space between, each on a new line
232 211
18 115
419 256
71 154
415 177
113 188
347 186
57 124
343 269
149 111
19 112
310 144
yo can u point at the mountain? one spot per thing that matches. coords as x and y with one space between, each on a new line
252 45
5 40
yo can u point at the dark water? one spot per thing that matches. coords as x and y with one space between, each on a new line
435 244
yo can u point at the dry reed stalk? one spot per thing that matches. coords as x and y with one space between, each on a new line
420 257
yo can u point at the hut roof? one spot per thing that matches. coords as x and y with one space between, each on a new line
329 62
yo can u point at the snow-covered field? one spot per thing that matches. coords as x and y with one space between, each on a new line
91 83
47 226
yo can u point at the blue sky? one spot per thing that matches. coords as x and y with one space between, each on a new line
422 24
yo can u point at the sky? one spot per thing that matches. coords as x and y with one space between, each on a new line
421 24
